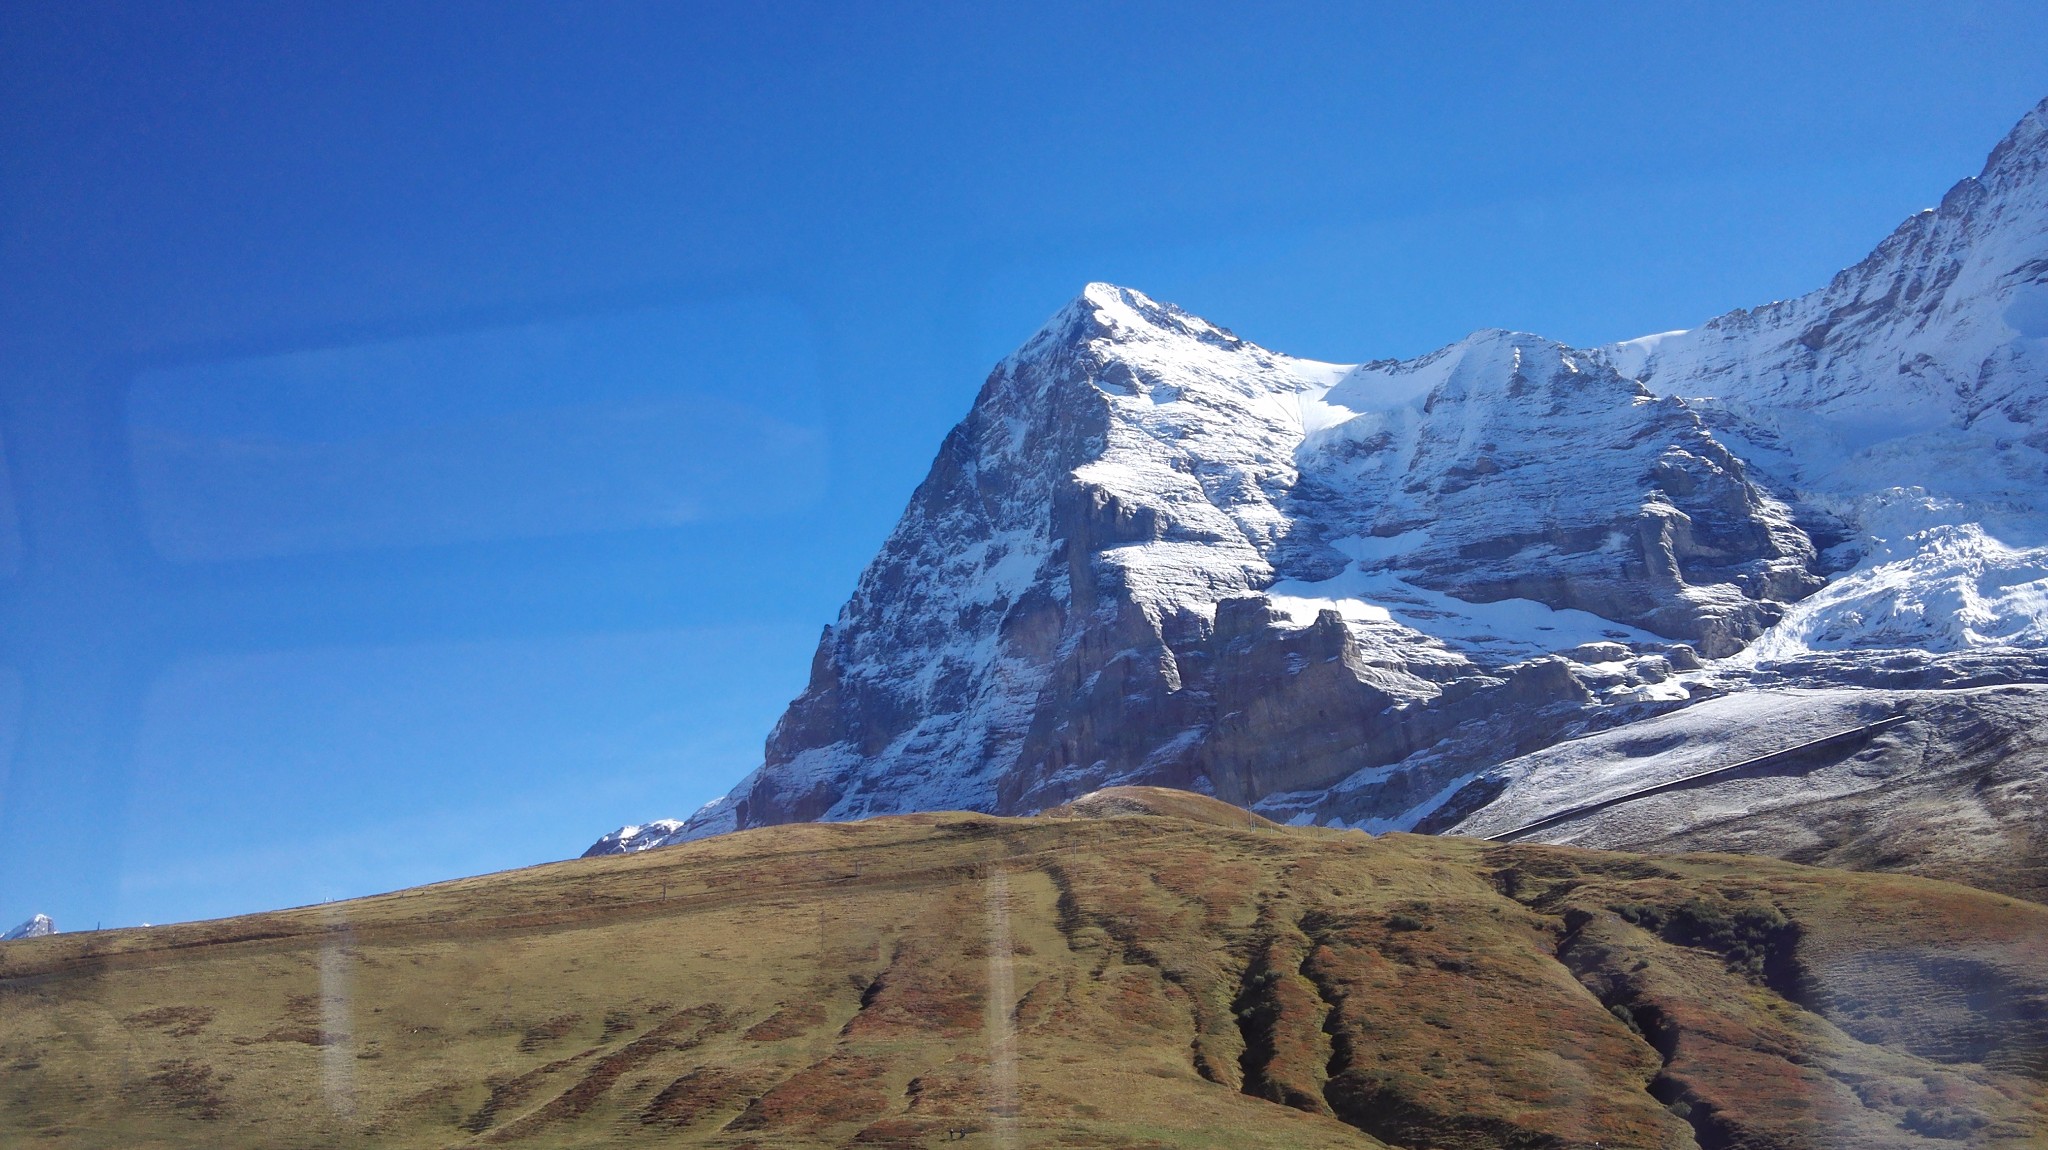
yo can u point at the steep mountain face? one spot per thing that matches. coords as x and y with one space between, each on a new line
1136 559
1530 471
1154 553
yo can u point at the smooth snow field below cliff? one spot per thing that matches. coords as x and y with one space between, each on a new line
1508 628
1709 735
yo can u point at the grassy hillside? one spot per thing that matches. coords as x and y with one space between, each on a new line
1193 980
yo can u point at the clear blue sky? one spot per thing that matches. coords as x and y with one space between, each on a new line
434 434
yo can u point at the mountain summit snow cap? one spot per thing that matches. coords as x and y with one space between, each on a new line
1104 311
35 927
1126 311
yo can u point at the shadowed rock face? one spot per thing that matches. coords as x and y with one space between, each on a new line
1155 553
1532 471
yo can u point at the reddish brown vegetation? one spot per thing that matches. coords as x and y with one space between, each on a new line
1074 982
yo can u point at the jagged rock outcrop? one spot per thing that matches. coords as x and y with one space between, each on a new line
1155 553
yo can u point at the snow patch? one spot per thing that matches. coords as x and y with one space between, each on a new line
1503 628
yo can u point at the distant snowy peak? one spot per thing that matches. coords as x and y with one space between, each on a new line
1148 535
630 840
1120 315
35 927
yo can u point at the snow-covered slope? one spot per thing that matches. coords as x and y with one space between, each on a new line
36 927
1529 471
1945 783
1906 401
1156 553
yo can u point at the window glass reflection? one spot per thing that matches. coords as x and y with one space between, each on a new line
649 418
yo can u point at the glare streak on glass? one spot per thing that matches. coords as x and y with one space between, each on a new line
10 522
1002 998
10 723
650 418
337 1051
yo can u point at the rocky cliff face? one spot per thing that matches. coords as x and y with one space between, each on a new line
1155 553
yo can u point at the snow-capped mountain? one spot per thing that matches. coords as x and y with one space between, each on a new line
36 927
1156 553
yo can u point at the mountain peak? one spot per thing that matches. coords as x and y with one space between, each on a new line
2028 141
1125 313
1119 306
36 927
1106 311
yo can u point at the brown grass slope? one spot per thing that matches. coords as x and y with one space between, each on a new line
1150 981
1117 802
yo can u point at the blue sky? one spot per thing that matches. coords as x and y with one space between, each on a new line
434 437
